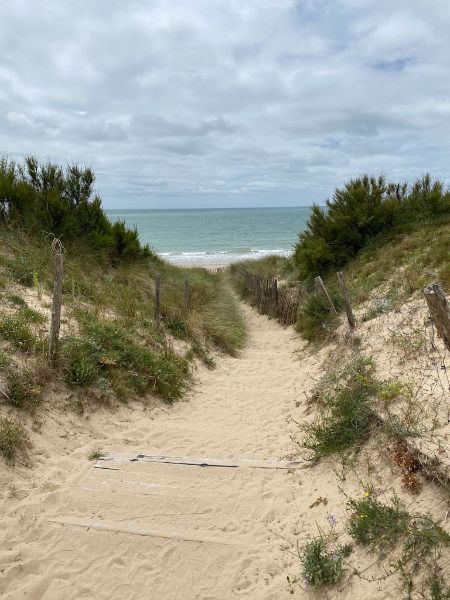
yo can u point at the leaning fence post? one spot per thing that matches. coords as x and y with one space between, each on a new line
158 300
320 287
58 252
186 294
439 308
346 296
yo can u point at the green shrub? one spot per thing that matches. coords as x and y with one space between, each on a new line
12 437
176 326
24 389
346 418
360 211
323 562
108 348
393 388
315 319
46 197
423 537
29 315
381 527
375 524
82 361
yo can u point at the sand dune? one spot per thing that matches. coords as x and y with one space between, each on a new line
134 529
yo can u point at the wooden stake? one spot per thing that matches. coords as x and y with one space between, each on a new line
158 300
348 307
320 287
58 251
439 308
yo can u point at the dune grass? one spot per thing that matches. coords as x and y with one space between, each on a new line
12 437
112 344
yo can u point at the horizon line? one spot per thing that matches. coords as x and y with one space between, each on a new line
207 208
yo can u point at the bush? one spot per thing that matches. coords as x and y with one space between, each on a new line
360 211
24 389
322 562
315 319
346 418
375 524
12 437
45 197
108 348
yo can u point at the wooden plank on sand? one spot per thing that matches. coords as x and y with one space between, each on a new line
111 457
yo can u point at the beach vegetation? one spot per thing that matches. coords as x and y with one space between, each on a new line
15 329
346 417
108 349
315 320
382 527
95 454
37 197
13 437
23 388
323 562
110 344
363 209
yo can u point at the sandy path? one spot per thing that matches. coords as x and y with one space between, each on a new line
161 531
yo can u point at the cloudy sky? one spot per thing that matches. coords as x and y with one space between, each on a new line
180 103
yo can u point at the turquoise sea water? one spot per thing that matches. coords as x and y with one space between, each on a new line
216 236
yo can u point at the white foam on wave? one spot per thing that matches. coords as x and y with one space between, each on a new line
221 257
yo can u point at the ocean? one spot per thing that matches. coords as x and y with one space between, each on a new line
216 236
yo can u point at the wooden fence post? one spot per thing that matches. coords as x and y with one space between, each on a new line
346 296
158 300
320 287
58 252
439 308
186 294
275 297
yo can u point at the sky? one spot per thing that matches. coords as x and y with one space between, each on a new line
206 103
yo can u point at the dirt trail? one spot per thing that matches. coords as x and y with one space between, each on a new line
141 530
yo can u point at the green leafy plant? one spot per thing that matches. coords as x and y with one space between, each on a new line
323 558
346 417
375 524
382 527
315 319
108 348
393 388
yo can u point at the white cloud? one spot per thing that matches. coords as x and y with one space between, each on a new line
177 103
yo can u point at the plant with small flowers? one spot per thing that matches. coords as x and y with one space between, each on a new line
323 558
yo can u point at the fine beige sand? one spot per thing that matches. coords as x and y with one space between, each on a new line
142 530
163 531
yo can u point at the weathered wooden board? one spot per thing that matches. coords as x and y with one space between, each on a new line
107 461
133 530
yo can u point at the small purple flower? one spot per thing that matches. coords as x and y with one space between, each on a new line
331 520
335 557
